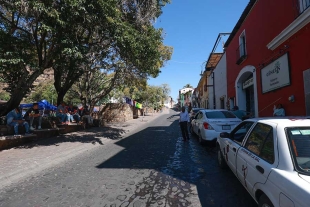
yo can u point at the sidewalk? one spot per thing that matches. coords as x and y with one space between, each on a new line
27 160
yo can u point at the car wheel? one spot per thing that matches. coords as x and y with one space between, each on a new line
264 201
220 158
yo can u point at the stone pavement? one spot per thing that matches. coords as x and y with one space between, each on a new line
25 161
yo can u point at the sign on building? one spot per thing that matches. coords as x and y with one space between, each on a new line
276 74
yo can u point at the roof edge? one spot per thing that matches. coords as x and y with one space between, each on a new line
243 16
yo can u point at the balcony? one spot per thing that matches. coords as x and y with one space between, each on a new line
241 54
205 87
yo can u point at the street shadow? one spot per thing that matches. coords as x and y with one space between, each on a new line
175 166
93 135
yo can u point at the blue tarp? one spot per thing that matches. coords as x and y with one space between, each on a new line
43 104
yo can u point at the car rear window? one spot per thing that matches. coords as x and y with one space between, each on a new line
219 114
299 142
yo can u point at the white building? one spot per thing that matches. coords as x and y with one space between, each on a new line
217 80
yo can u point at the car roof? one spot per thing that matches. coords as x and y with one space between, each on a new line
209 110
284 121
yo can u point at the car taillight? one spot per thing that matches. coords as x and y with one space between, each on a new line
207 125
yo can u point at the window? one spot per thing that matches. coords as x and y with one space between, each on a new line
242 44
222 102
299 142
303 5
240 131
219 115
198 116
261 142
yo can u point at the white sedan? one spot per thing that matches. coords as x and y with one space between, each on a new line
209 123
271 158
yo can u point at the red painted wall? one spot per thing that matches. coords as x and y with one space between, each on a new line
265 21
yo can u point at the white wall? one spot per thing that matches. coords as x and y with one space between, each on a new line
220 86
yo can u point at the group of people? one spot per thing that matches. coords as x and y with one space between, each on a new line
67 115
72 114
15 118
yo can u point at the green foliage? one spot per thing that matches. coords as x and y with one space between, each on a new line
150 96
75 37
188 86
4 96
42 91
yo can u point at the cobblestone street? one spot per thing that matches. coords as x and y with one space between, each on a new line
142 162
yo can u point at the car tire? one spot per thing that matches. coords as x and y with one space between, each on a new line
264 201
220 159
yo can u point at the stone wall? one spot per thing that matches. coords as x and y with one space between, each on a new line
118 112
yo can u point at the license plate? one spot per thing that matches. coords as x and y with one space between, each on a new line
226 127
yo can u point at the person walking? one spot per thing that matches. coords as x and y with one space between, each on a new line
184 121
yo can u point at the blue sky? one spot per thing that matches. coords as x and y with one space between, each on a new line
191 28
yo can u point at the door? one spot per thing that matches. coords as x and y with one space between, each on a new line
250 102
257 156
196 122
233 144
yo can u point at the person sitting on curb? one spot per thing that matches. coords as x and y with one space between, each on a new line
86 114
70 113
14 119
33 114
278 110
61 112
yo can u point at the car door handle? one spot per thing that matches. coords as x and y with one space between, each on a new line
234 149
260 169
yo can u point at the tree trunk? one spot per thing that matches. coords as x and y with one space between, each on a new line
14 101
18 94
60 97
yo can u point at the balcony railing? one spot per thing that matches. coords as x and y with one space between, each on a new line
241 53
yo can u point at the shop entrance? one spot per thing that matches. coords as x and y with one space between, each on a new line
250 100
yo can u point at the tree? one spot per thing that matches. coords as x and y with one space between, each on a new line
42 91
188 86
73 36
35 35
125 44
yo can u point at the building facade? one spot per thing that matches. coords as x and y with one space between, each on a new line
268 55
217 96
185 96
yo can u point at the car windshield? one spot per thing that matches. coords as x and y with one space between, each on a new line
299 142
195 110
219 114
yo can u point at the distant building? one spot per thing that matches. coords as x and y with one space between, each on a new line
185 95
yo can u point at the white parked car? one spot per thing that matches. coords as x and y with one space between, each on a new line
271 158
209 123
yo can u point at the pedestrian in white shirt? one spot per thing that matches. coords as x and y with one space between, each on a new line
184 121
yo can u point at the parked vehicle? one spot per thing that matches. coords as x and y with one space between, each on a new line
193 112
209 123
271 158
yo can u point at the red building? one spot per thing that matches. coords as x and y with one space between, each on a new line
268 58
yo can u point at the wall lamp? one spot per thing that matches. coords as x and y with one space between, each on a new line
291 98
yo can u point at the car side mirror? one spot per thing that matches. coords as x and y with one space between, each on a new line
224 135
